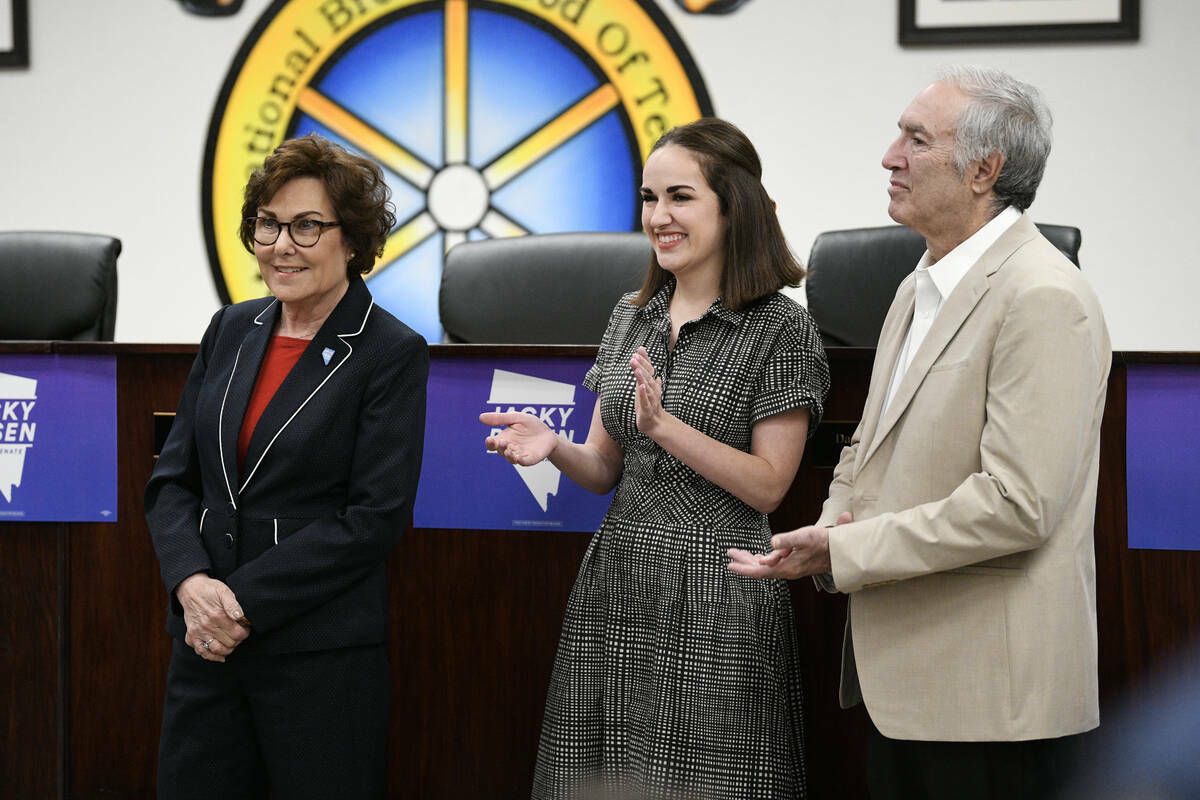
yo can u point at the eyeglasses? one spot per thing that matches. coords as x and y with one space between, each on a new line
304 232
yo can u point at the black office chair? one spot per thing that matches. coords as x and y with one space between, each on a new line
58 286
853 276
554 288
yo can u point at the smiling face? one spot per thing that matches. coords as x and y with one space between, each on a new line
307 280
927 193
682 215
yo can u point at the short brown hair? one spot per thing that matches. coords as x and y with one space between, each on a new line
757 259
361 199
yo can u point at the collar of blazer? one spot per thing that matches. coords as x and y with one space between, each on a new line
958 306
311 373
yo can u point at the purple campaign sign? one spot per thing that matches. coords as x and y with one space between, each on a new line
1162 456
58 438
464 486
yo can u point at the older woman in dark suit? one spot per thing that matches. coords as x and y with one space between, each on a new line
288 476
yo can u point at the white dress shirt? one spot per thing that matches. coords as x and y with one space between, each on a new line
935 282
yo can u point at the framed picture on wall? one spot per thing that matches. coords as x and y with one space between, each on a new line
14 33
949 22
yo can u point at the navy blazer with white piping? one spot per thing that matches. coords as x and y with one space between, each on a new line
330 475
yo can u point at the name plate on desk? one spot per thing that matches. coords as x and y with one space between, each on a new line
58 438
463 486
824 450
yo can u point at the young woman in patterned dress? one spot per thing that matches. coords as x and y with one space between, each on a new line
676 678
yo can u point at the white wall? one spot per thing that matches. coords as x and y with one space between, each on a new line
105 132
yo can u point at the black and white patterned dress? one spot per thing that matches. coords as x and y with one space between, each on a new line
676 678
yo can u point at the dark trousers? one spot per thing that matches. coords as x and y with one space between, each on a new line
299 725
899 769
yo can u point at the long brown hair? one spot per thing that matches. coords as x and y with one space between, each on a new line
757 259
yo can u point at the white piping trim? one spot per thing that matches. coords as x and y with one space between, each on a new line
276 521
203 514
366 314
258 319
321 385
221 429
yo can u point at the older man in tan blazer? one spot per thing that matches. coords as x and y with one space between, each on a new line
960 517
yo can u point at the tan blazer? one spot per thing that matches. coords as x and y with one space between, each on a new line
970 563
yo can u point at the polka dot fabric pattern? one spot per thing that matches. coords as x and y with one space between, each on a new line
676 678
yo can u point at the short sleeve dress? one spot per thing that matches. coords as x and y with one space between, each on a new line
676 678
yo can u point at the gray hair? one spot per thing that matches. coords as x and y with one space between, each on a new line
1007 115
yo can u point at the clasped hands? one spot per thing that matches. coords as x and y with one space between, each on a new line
527 440
794 554
215 621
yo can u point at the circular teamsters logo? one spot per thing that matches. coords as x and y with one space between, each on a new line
497 118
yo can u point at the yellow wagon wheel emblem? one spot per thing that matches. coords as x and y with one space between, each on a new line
492 119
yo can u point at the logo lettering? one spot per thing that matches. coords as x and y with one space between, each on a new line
552 402
18 397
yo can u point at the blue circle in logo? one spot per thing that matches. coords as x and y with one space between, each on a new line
521 77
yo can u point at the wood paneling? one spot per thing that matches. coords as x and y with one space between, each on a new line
1148 603
475 621
836 738
118 648
29 659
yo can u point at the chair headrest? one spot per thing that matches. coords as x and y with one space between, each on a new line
58 285
544 289
853 276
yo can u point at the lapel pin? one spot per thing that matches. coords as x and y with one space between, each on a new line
327 354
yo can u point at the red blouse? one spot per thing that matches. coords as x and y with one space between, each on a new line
282 354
